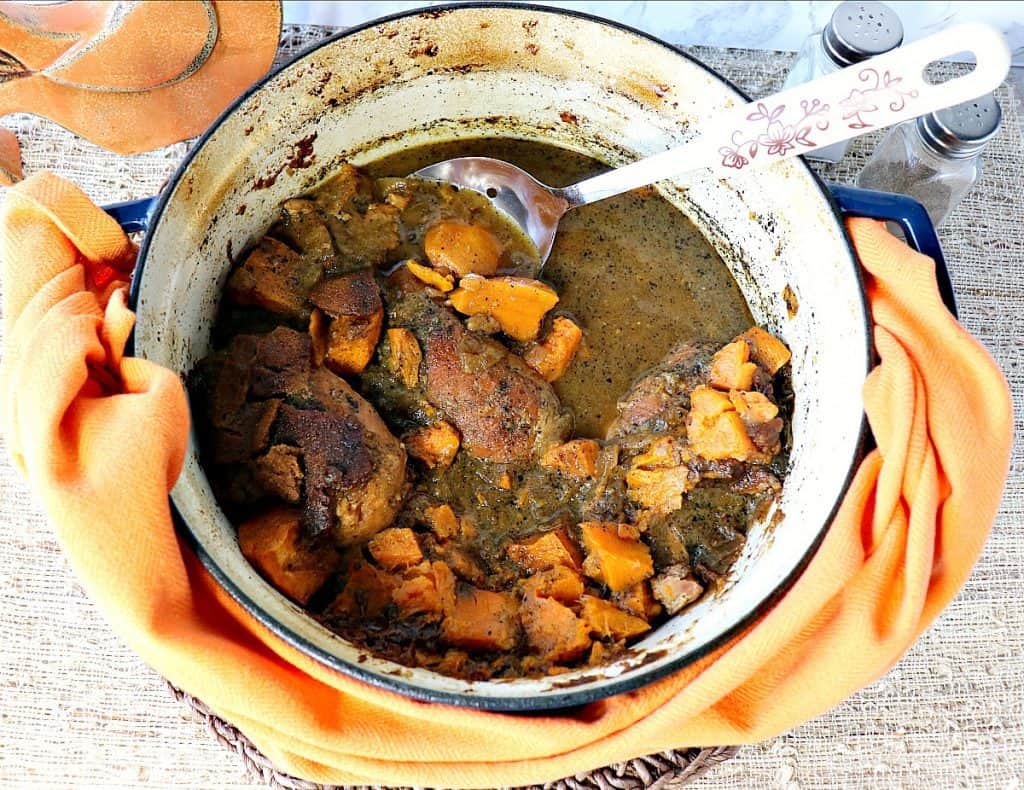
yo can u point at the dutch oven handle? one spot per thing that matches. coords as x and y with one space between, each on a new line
913 221
133 215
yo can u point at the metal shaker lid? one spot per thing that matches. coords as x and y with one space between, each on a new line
962 130
858 31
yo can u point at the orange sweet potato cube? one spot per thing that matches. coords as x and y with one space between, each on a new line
766 350
444 582
367 592
270 542
351 341
606 619
553 631
616 561
405 356
442 520
481 620
707 403
548 551
435 445
638 600
731 368
417 595
432 277
561 583
395 548
516 303
552 356
461 248
576 458
723 436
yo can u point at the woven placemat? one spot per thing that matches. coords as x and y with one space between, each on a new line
984 241
652 771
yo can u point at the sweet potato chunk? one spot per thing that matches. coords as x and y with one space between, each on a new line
722 437
561 583
606 619
444 582
658 478
552 356
617 562
435 445
548 551
351 342
417 595
576 458
753 407
395 548
368 592
676 588
708 402
274 277
481 620
553 631
516 303
432 277
405 357
717 430
730 368
442 520
462 249
662 489
319 327
638 600
271 542
348 341
766 350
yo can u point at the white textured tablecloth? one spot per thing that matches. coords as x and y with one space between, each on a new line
78 709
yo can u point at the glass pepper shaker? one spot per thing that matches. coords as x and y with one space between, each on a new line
856 32
935 158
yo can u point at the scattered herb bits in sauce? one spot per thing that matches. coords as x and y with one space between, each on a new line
460 462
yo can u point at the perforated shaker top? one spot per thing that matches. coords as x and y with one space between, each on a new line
858 31
962 130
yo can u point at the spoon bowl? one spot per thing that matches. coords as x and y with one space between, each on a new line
535 207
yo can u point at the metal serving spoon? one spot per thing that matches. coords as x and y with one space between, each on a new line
873 94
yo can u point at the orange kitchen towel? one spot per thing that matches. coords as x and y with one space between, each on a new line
130 76
101 438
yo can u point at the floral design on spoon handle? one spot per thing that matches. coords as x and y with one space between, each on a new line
776 135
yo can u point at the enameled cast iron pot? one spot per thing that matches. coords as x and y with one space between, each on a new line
578 82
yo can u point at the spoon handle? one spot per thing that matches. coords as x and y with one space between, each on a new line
876 93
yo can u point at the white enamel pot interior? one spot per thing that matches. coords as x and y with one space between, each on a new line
538 74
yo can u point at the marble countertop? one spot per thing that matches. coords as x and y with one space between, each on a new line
781 26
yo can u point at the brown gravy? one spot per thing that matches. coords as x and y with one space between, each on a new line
639 239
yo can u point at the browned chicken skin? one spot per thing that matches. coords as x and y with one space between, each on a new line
298 432
658 401
504 410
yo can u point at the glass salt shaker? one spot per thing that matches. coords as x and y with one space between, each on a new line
856 32
936 158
